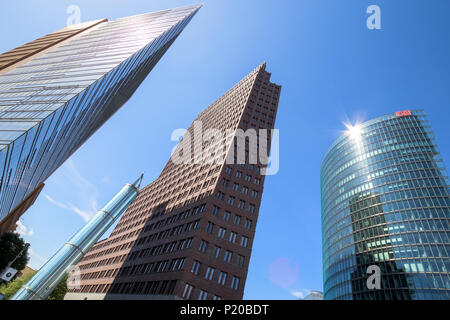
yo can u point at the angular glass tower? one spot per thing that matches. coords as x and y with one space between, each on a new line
386 202
56 91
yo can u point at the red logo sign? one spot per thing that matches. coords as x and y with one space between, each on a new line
403 113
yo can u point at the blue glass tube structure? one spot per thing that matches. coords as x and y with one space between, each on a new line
42 284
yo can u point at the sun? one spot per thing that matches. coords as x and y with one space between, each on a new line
354 131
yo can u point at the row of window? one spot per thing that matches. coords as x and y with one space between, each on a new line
412 283
347 148
429 192
162 249
203 294
153 267
153 251
222 233
393 151
419 175
227 217
209 275
376 171
232 200
236 187
166 287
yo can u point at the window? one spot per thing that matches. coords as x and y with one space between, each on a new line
217 298
215 210
149 268
173 265
220 195
181 263
226 216
187 291
196 267
254 194
177 264
210 227
163 287
161 266
181 244
235 186
248 224
238 174
257 181
235 283
222 278
228 256
244 190
203 295
240 261
244 241
203 246
224 183
171 288
237 220
196 224
228 170
209 273
232 237
221 232
216 252
251 208
188 227
241 204
231 200
248 178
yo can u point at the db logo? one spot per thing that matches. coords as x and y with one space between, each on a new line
403 113
8 274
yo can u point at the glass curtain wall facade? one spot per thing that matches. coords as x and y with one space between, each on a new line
53 103
385 202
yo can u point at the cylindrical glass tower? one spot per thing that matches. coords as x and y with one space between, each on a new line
385 202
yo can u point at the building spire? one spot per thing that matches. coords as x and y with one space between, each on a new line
263 65
137 183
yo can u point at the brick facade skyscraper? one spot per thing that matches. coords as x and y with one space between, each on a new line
189 234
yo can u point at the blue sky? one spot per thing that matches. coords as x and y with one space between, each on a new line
332 69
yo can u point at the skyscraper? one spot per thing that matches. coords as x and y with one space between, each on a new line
56 91
386 203
189 233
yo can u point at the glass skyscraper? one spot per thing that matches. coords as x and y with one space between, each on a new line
385 202
56 91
